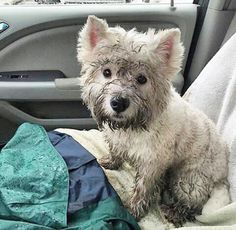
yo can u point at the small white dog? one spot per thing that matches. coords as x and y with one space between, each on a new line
126 83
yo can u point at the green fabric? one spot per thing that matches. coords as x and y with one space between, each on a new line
34 185
107 214
17 225
33 179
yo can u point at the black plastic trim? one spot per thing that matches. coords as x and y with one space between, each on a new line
202 9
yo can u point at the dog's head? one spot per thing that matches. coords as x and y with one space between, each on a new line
125 75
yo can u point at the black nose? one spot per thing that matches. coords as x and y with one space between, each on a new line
119 104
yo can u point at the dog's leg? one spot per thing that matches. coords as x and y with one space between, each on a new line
190 190
111 161
147 189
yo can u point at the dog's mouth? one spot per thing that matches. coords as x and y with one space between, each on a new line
117 117
120 121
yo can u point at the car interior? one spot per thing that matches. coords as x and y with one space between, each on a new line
39 69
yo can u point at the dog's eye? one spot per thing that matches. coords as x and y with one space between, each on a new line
107 73
141 79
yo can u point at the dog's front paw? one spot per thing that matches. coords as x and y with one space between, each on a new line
136 211
108 162
138 206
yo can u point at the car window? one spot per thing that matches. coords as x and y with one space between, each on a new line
63 2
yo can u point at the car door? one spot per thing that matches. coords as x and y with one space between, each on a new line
38 65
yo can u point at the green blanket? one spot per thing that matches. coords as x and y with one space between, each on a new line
34 189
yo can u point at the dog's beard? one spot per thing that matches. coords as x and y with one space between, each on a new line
139 121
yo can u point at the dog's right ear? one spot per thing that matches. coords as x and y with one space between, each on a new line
94 31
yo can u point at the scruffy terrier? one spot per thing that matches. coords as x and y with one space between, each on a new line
126 83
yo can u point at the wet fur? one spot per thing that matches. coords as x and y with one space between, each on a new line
174 147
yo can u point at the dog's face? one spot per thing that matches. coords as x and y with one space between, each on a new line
126 75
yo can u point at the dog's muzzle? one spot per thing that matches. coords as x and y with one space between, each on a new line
119 104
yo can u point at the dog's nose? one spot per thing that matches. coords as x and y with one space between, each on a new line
119 104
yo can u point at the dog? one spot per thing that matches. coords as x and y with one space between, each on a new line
126 84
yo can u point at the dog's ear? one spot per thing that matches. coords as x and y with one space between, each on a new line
169 49
92 33
168 43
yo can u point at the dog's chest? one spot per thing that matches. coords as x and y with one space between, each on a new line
137 145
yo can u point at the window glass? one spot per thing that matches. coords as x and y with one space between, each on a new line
62 2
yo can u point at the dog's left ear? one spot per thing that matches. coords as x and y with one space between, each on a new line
94 31
169 49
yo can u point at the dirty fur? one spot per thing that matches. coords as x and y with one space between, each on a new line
173 146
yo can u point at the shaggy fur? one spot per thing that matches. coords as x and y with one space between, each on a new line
173 146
